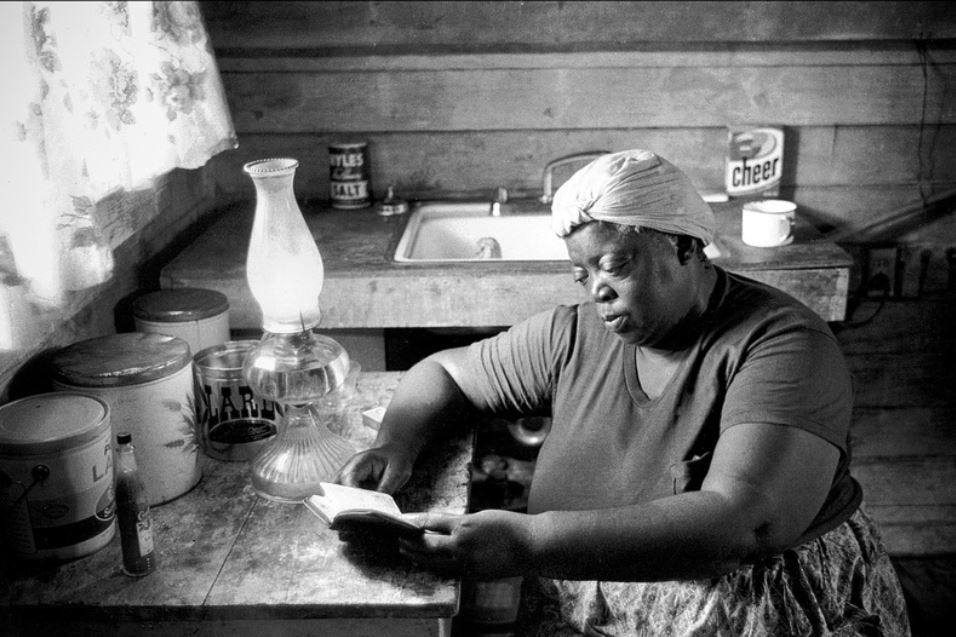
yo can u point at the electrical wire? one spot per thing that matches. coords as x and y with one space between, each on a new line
922 50
864 291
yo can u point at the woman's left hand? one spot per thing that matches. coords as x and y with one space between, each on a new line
486 545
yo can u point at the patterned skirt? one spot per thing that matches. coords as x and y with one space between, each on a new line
840 584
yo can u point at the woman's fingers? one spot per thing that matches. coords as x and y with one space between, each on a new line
443 523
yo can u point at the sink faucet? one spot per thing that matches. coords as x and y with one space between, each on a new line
548 193
501 197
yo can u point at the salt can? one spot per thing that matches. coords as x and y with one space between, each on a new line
198 316
56 476
349 176
147 381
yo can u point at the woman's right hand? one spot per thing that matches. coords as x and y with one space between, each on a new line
386 468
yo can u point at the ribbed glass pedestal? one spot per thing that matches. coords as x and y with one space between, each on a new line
302 372
303 454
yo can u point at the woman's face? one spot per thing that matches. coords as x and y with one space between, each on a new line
637 282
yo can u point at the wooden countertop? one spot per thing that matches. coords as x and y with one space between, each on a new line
365 288
226 555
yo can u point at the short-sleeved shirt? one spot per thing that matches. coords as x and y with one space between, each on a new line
760 356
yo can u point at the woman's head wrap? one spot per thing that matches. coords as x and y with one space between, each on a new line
634 188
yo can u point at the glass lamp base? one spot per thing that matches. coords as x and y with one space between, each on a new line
302 455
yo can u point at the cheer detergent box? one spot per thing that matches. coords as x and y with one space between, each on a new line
754 162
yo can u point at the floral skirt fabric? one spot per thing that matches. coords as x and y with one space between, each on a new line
839 584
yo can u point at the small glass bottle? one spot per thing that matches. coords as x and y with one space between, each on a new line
132 511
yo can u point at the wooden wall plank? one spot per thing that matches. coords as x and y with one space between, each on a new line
818 156
921 379
908 431
549 99
904 326
926 481
848 209
727 54
479 171
562 25
916 530
870 155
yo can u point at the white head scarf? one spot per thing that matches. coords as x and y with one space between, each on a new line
634 188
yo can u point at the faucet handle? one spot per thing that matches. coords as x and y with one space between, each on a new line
547 190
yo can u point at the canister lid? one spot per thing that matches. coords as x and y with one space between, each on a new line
225 356
51 423
180 304
120 359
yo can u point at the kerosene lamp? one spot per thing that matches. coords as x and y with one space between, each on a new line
292 365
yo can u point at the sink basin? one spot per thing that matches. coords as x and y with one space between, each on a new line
461 232
466 231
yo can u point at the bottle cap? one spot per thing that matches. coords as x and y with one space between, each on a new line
124 438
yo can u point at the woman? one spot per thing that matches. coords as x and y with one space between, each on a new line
696 476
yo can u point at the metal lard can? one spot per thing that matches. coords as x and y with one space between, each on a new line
147 381
235 423
199 317
349 176
56 476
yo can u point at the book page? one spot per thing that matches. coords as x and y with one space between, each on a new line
336 498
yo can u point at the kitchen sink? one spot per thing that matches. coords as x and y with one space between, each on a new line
453 231
465 231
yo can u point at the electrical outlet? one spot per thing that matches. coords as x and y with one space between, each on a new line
881 272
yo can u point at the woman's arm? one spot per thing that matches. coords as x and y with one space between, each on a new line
427 400
764 487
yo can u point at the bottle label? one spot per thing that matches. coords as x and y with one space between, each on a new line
144 532
231 414
348 193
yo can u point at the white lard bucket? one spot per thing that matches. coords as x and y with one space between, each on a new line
147 381
56 476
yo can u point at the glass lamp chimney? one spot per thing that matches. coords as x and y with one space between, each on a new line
284 268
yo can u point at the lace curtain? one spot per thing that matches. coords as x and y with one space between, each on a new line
99 97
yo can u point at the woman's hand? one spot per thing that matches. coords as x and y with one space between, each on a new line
485 545
384 468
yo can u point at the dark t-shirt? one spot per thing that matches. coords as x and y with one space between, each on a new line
760 357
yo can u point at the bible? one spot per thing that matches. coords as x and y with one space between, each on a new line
359 510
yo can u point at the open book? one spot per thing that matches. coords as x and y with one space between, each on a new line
351 508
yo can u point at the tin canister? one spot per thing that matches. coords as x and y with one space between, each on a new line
147 381
754 164
199 317
235 424
56 476
349 176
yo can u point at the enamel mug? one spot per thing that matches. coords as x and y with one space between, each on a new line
767 223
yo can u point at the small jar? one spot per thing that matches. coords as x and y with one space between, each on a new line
198 316
147 380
